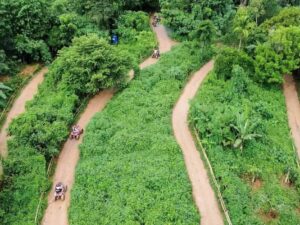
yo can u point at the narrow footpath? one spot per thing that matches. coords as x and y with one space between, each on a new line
203 193
57 212
293 109
19 107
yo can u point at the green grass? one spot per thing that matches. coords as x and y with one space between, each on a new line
268 157
131 170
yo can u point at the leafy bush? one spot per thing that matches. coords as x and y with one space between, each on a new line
214 112
130 24
71 25
227 58
131 170
30 50
135 34
24 29
185 16
279 55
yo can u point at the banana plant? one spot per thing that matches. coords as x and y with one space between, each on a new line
244 132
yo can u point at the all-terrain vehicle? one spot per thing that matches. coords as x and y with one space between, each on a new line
76 132
155 21
156 54
59 191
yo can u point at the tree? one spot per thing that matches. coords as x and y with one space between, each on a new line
90 64
256 8
279 55
3 96
204 32
227 58
242 24
70 25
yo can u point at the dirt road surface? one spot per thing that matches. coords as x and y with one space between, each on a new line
57 212
203 193
19 107
293 109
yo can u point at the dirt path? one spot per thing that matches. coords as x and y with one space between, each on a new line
57 212
293 109
19 107
203 193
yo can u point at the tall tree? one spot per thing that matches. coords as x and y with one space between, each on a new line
243 24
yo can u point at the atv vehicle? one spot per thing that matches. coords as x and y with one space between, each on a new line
59 191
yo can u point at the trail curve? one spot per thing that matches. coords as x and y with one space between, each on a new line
293 109
18 107
203 193
57 212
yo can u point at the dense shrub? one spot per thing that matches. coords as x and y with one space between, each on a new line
131 170
222 106
279 55
130 24
185 16
227 58
24 27
71 25
135 34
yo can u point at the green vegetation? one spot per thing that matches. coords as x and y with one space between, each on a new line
3 94
34 30
221 106
240 116
187 16
90 64
136 36
131 170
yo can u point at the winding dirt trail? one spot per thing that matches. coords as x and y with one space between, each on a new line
57 212
19 107
203 193
293 109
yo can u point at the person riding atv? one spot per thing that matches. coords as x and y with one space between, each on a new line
59 192
156 53
155 21
76 132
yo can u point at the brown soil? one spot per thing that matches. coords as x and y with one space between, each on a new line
4 78
293 109
203 193
57 212
28 70
257 184
267 217
19 107
284 184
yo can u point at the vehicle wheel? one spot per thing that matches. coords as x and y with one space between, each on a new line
63 197
55 198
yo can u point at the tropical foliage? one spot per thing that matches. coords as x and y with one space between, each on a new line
3 95
240 116
131 170
90 64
